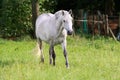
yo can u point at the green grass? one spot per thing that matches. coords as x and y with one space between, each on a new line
97 59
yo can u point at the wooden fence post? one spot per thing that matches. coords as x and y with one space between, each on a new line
119 22
93 25
104 24
81 11
98 17
85 28
109 29
107 24
118 35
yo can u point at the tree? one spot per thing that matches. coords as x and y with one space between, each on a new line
109 7
35 13
15 18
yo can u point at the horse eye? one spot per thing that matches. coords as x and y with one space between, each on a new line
63 20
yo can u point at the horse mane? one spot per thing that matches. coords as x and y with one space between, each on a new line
60 13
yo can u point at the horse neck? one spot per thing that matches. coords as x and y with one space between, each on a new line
59 27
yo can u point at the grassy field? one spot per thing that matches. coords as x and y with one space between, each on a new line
97 59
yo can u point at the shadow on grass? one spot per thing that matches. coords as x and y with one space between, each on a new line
4 63
92 37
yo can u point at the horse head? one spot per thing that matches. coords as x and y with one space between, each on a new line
66 20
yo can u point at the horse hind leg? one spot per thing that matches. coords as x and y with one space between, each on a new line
52 55
41 52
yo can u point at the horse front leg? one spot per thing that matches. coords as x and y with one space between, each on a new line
52 54
65 54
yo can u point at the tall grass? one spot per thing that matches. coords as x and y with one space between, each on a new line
90 59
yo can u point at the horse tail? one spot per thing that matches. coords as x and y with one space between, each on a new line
40 50
39 47
39 41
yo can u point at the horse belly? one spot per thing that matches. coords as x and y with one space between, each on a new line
43 31
59 40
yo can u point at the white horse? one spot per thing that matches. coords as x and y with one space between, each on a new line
53 29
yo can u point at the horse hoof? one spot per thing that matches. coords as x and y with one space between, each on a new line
42 60
53 64
67 66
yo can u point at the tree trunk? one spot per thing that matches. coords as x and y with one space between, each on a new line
35 13
109 7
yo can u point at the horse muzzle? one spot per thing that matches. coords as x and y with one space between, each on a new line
69 32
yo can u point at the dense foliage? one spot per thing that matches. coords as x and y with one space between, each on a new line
16 15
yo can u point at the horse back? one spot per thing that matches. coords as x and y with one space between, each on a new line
44 26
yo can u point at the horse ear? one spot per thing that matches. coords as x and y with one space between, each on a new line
70 12
56 16
63 12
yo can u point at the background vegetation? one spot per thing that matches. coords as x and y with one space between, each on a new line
15 18
16 15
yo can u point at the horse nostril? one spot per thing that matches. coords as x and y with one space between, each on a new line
69 32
